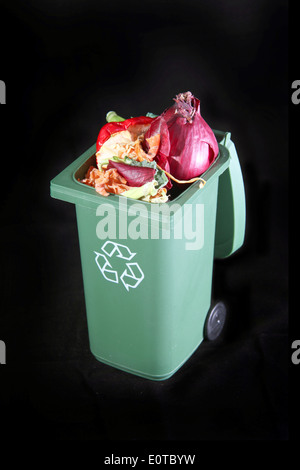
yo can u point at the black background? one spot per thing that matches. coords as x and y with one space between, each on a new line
65 64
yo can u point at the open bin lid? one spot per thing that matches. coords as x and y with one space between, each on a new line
231 204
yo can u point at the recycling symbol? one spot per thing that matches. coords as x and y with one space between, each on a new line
132 275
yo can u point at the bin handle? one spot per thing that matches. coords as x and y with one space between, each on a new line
231 205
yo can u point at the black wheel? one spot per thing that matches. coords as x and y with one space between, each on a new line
215 321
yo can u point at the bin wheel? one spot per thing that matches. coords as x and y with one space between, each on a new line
215 321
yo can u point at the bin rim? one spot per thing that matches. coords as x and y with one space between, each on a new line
65 186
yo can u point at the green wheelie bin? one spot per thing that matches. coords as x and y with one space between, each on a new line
148 268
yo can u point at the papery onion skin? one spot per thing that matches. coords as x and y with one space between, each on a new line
135 175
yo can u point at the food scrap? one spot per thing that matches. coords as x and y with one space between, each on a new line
139 157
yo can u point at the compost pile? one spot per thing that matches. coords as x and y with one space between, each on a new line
140 157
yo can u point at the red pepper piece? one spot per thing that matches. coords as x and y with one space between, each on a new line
138 125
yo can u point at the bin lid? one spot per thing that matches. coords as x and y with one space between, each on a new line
231 205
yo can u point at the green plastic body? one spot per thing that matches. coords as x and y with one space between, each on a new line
148 285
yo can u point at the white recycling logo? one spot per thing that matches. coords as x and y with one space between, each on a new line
132 275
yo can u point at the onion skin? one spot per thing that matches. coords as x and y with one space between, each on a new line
135 175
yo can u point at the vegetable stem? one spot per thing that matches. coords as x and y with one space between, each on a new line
112 116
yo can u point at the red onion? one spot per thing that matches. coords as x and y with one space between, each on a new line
188 145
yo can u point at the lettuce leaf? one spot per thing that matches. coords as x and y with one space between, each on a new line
141 191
